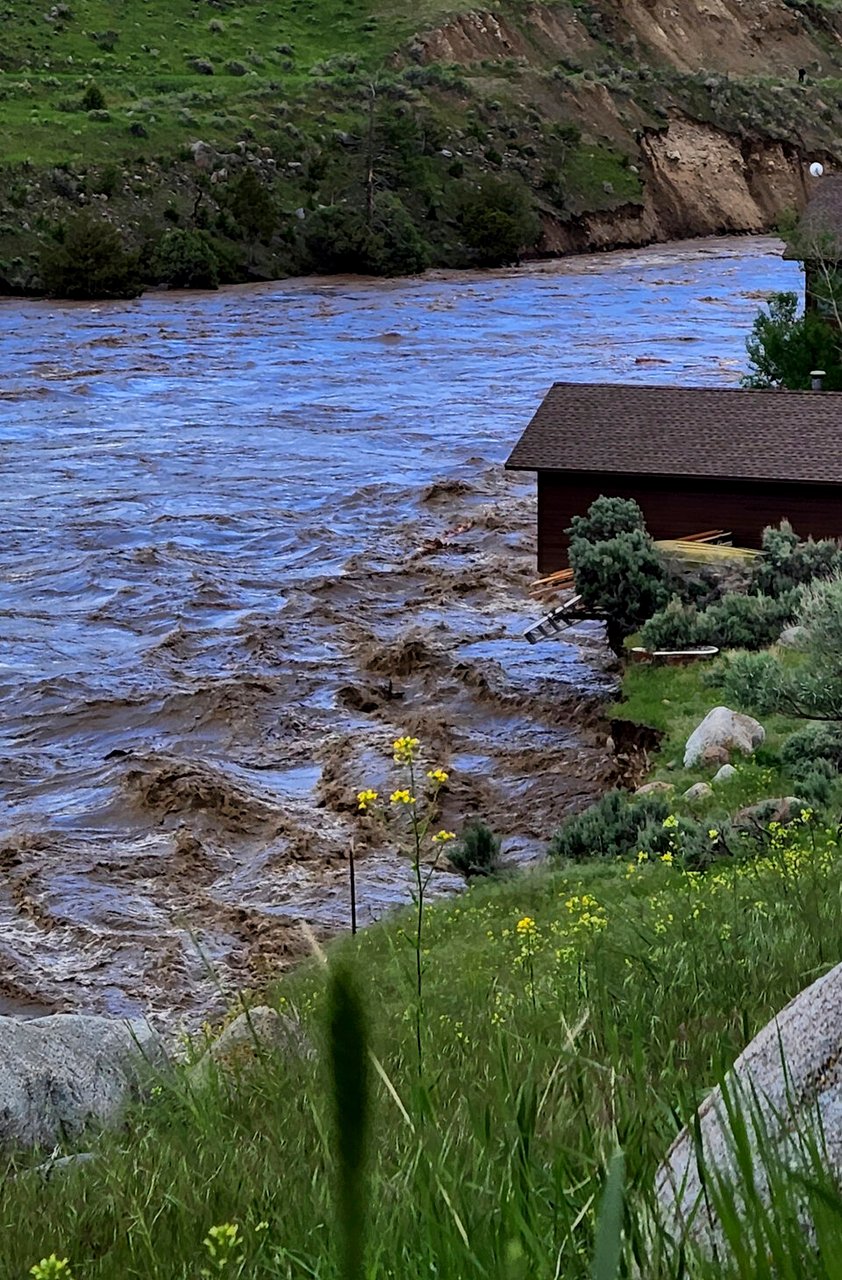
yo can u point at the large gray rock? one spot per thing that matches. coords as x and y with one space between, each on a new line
756 817
724 774
789 1078
252 1034
659 787
63 1072
698 791
724 730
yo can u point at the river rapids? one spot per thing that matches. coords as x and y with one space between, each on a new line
246 539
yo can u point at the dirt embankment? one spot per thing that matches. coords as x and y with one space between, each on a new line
686 91
699 181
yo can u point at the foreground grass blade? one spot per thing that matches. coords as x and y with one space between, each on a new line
350 1086
609 1226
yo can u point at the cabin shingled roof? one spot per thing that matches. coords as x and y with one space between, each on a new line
702 432
818 232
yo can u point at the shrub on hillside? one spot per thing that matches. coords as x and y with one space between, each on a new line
809 688
185 260
339 238
814 742
789 561
477 852
610 828
87 259
694 843
498 221
734 622
252 208
676 626
816 781
93 99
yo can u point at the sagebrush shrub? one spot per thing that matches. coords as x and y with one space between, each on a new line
813 743
734 622
93 99
789 561
610 828
477 852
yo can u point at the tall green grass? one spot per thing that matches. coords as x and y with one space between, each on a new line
500 1159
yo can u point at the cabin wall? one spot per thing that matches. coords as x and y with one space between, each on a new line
675 507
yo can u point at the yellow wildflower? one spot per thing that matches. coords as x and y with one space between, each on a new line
437 775
51 1268
670 822
441 837
667 858
402 797
404 749
365 798
713 834
527 926
643 856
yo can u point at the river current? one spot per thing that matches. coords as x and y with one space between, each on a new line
248 537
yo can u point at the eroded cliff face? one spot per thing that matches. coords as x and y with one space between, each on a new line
719 106
742 37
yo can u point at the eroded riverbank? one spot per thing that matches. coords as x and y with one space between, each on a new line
229 522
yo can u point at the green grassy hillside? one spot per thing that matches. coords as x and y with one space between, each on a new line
338 103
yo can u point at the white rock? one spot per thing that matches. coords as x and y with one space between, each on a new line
60 1073
790 1075
698 791
723 728
792 637
722 775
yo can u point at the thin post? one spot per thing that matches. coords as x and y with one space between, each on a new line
353 880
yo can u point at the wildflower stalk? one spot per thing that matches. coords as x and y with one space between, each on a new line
352 877
351 1088
419 924
404 753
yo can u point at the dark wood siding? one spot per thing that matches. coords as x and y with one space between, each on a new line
676 507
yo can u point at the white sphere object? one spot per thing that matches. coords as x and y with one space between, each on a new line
816 169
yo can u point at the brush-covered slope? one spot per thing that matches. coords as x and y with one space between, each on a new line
625 120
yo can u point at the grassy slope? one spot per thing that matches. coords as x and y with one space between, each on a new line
675 700
150 62
542 1052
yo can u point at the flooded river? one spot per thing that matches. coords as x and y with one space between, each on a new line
246 538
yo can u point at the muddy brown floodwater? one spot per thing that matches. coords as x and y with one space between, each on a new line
246 538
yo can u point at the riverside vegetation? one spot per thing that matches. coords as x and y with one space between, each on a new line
497 1078
222 143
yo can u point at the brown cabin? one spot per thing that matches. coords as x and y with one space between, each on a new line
694 458
817 240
